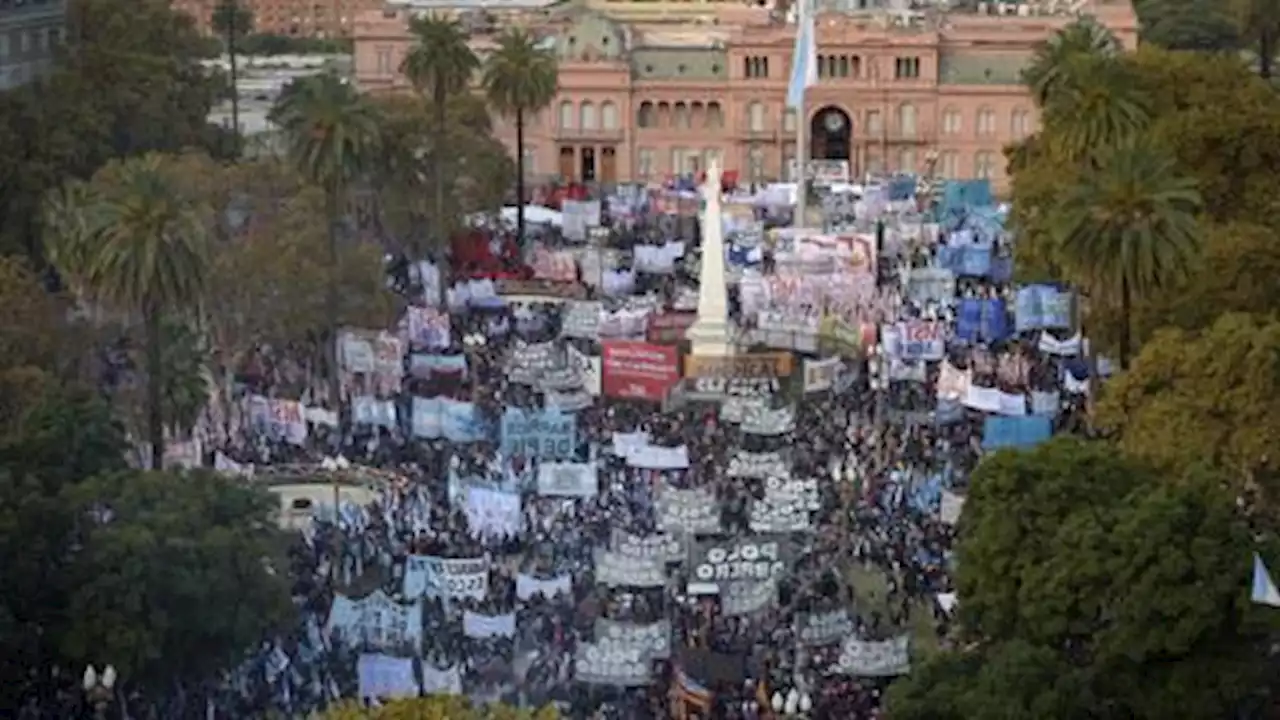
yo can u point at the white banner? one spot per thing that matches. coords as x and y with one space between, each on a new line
568 480
438 681
623 666
875 658
663 548
655 638
527 586
744 598
475 625
820 375
491 513
376 621
758 465
581 319
823 628
384 676
688 511
770 422
652 457
448 578
617 570
952 505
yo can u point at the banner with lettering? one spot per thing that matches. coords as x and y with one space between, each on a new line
875 658
545 434
688 511
638 371
376 621
747 597
611 664
475 625
617 570
758 557
760 465
653 638
662 547
820 375
443 417
823 628
915 339
447 578
428 327
567 480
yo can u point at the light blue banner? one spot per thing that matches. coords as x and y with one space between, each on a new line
1042 307
1015 432
440 417
547 434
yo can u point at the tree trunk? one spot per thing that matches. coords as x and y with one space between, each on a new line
519 175
331 300
1126 309
437 162
155 380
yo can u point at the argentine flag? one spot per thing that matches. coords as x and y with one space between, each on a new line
1264 588
804 59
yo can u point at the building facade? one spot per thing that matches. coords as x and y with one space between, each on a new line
297 18
650 90
30 32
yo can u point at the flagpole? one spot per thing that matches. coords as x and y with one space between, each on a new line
802 130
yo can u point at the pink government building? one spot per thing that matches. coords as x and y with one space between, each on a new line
654 89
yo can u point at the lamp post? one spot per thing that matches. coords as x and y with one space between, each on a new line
99 689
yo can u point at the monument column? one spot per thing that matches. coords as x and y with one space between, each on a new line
712 333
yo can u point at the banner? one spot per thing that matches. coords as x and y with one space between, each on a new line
669 327
758 465
925 285
548 434
769 423
384 676
638 371
913 340
428 327
475 625
443 417
554 265
823 628
688 511
376 621
492 513
745 598
951 507
662 548
756 558
581 320
441 681
785 507
752 365
618 570
820 375
875 658
619 665
567 480
1015 432
1041 307
654 638
528 586
447 578
572 401
653 457
718 388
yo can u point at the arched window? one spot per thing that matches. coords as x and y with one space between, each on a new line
907 120
949 165
755 117
986 121
682 116
1020 124
856 69
644 116
715 116
952 123
907 161
566 115
844 66
609 116
697 114
664 114
984 164
587 119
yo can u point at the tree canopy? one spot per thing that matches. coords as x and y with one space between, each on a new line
1097 586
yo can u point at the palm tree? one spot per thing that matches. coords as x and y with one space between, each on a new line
1051 67
139 244
1097 104
439 65
1128 229
332 138
520 77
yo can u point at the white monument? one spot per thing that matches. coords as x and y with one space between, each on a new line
711 333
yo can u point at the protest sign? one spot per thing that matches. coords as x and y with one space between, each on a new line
758 465
823 628
746 597
758 557
567 480
653 638
640 371
618 570
688 511
752 365
663 548
546 434
448 578
622 666
875 658
820 375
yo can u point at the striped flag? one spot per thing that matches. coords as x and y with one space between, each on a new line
804 59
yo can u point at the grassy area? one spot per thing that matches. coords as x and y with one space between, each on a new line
871 593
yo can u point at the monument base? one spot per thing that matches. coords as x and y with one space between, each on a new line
710 338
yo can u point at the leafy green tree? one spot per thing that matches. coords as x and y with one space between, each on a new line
332 137
128 81
520 77
1204 397
232 19
178 577
147 256
1258 22
1129 229
440 65
1132 576
1200 25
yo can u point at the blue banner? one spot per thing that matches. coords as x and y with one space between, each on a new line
966 260
547 434
1042 307
1015 432
982 320
440 417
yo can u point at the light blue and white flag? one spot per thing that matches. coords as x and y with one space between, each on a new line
804 59
1264 588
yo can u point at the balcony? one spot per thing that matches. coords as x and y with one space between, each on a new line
574 134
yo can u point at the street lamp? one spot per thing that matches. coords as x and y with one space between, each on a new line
98 690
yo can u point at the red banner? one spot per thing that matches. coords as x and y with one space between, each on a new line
638 371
